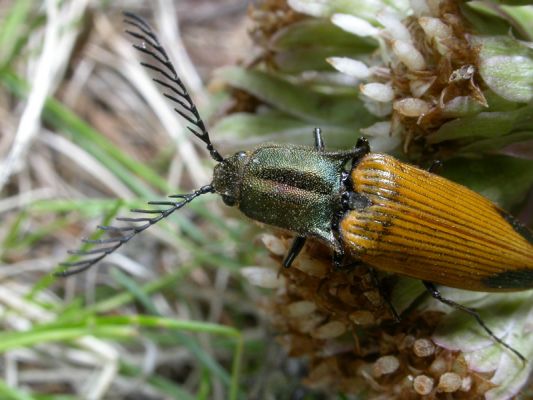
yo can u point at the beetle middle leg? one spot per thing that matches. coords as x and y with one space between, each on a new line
296 246
435 293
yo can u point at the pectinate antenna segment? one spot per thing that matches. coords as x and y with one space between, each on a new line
169 79
124 234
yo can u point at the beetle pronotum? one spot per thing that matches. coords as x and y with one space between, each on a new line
388 214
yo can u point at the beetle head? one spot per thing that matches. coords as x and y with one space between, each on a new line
227 178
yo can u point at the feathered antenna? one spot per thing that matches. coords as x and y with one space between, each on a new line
126 233
150 46
178 93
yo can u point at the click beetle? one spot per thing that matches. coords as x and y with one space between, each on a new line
380 211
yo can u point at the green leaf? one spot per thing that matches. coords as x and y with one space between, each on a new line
297 100
498 103
495 144
512 2
508 316
305 45
10 393
158 382
127 327
318 33
484 125
15 22
363 9
243 131
311 58
136 291
503 179
522 17
506 66
461 106
485 18
405 292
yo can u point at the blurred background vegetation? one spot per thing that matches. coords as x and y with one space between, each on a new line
86 135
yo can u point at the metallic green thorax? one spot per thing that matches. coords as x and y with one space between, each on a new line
290 187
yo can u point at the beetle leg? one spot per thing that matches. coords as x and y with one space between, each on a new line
362 142
434 292
361 149
338 257
383 294
296 247
319 141
435 166
355 201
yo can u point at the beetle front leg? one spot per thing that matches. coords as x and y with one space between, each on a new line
296 247
435 293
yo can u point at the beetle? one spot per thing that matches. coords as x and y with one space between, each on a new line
380 211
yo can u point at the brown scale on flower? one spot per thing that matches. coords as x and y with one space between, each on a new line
431 71
434 74
338 322
268 17
241 101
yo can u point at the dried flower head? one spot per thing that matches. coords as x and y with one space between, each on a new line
432 68
339 323
425 79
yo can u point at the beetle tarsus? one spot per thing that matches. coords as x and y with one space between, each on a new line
435 293
362 143
361 149
296 247
355 201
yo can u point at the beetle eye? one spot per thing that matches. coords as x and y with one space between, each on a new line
228 200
